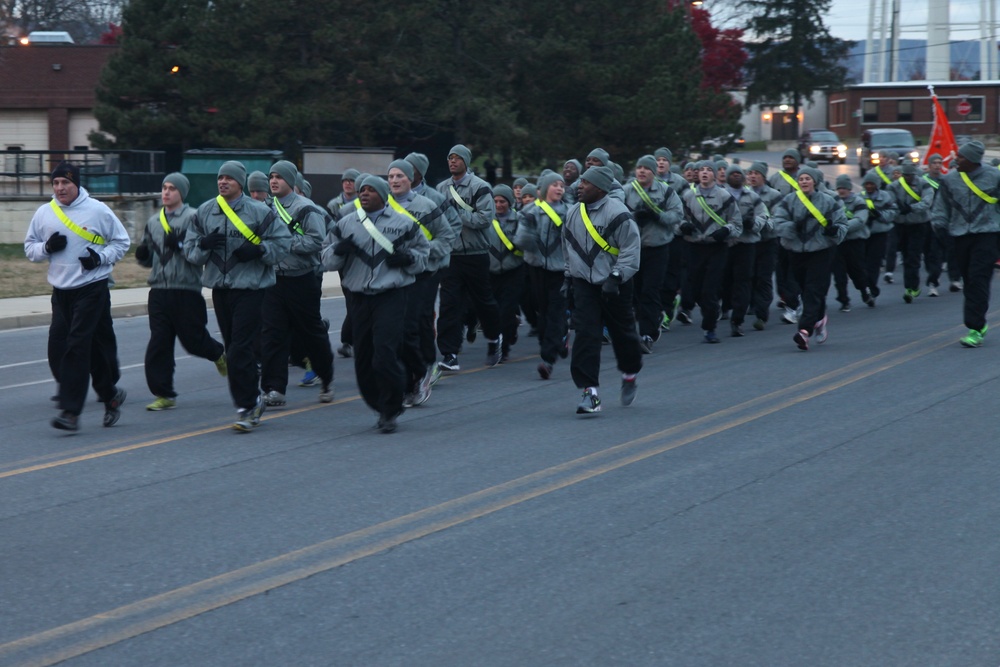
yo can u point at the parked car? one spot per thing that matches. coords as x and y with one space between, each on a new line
876 143
720 144
822 145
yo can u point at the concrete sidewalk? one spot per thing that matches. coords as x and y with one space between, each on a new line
33 311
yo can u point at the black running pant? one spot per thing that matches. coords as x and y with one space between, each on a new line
467 274
653 264
975 255
292 306
551 312
593 311
238 314
378 338
811 271
507 289
175 314
82 344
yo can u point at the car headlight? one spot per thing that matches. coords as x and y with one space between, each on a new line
914 155
875 157
842 148
814 149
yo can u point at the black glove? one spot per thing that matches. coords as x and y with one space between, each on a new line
214 241
830 230
644 216
248 252
610 286
721 234
173 239
55 243
400 258
905 208
142 253
344 247
688 229
90 261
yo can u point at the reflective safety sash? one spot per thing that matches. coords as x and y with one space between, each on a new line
975 188
645 197
235 219
909 190
931 182
549 211
870 203
849 213
286 217
163 221
503 239
458 198
398 208
598 239
791 181
881 174
90 236
378 236
820 218
708 209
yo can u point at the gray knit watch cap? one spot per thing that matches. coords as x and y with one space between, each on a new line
179 181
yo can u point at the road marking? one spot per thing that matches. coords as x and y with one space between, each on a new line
25 363
131 620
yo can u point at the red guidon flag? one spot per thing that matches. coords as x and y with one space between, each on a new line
942 138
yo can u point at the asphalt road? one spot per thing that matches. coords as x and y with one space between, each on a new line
757 505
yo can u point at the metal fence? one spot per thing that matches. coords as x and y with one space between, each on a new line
101 172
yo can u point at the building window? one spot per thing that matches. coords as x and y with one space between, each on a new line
870 111
838 115
976 115
904 111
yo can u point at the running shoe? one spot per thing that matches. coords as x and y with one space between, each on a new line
162 403
590 403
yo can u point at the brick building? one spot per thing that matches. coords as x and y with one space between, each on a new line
908 105
47 97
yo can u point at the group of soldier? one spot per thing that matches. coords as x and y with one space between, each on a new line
585 256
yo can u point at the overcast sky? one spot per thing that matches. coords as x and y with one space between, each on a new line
848 19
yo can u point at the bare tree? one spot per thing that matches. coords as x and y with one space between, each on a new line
84 20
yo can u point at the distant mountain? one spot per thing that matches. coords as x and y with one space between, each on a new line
913 59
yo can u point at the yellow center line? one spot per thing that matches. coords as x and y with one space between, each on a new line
131 620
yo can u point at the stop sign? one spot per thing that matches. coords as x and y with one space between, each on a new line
964 108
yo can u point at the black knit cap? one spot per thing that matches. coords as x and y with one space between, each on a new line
68 171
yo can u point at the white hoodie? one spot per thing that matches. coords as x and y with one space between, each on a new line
65 270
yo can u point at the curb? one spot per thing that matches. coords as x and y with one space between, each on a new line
120 311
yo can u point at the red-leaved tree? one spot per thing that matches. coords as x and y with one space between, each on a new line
723 55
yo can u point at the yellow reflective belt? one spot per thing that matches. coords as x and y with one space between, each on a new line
870 203
593 232
286 217
377 236
706 208
881 174
549 211
645 197
96 239
909 190
791 181
975 188
812 208
163 221
398 208
235 219
458 198
504 239
931 182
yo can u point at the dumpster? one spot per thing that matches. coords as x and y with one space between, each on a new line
201 166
